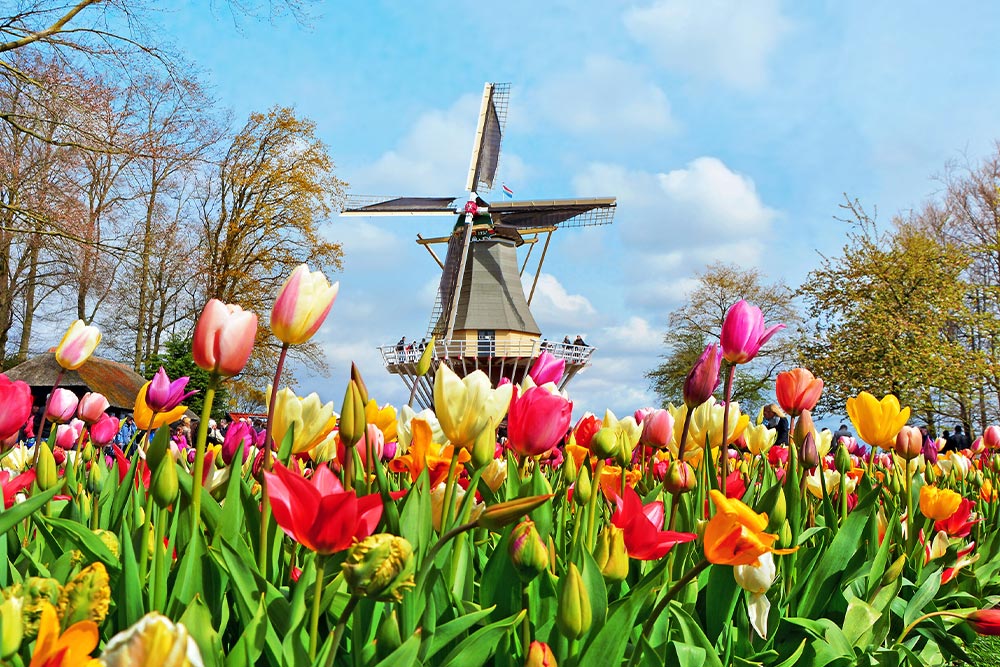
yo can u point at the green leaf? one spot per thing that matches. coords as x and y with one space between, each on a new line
86 541
859 621
793 659
251 643
593 581
130 603
448 632
692 634
478 647
721 596
20 511
405 655
198 621
683 655
924 595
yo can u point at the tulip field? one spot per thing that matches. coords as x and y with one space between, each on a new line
495 529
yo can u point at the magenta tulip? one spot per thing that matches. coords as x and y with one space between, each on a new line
61 407
15 397
547 369
68 435
104 430
657 429
91 407
703 379
223 338
537 421
238 433
164 395
743 332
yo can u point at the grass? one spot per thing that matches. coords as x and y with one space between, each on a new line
985 652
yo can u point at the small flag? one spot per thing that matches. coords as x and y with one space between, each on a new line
507 192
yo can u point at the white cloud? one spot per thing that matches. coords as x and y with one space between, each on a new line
716 39
604 98
554 306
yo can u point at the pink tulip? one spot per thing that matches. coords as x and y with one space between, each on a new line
991 437
62 406
103 431
537 421
377 438
238 433
743 332
67 435
77 345
547 369
91 407
223 338
302 304
703 379
641 414
164 395
657 429
15 397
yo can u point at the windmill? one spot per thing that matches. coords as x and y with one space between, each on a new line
481 319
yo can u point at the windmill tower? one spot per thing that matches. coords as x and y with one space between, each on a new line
481 319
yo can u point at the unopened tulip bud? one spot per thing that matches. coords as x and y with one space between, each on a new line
484 447
45 468
380 567
785 536
88 452
495 517
11 626
569 470
803 426
893 572
540 655
583 488
358 380
985 621
95 480
426 356
909 443
527 551
776 516
842 460
604 444
623 455
809 454
610 553
703 379
929 475
573 615
352 416
680 478
163 485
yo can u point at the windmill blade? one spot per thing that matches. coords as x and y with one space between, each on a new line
527 215
489 134
364 205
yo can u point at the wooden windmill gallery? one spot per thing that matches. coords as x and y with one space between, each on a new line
481 319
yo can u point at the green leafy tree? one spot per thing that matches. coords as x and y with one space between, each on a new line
887 311
177 361
699 322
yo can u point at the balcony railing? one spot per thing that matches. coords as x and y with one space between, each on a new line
453 349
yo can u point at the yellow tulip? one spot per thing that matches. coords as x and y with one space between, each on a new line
877 422
384 418
310 419
938 504
465 406
143 416
153 640
760 439
302 304
706 426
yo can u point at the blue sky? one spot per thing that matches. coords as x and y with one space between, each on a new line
727 130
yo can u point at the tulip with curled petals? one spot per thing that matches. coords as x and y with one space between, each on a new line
642 525
303 303
146 419
77 345
223 338
164 395
735 535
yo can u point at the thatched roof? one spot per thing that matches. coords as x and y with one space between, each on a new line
119 383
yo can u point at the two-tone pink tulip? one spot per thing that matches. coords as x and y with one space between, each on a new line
68 435
537 420
91 407
303 303
657 429
78 343
223 338
61 406
743 332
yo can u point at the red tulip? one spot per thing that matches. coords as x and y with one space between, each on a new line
797 390
124 465
104 431
12 487
318 513
91 407
958 524
703 379
537 421
743 333
985 621
164 395
15 397
585 429
645 538
61 407
547 369
223 338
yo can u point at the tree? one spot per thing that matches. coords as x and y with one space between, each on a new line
260 217
699 322
177 361
886 313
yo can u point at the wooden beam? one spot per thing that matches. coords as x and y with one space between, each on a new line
431 251
538 271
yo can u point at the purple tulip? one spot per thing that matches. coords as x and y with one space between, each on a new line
743 332
547 369
164 395
703 379
238 433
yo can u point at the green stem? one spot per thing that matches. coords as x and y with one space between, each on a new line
923 618
199 451
45 412
265 502
338 633
592 505
526 622
317 606
144 542
449 490
689 412
428 563
910 536
157 589
724 450
678 586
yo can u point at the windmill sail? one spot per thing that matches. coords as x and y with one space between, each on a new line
489 134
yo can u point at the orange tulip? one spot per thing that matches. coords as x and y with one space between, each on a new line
425 453
735 535
797 390
938 504
69 649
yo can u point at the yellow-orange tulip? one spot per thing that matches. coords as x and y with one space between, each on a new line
384 418
143 416
425 453
877 422
938 504
735 535
72 647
